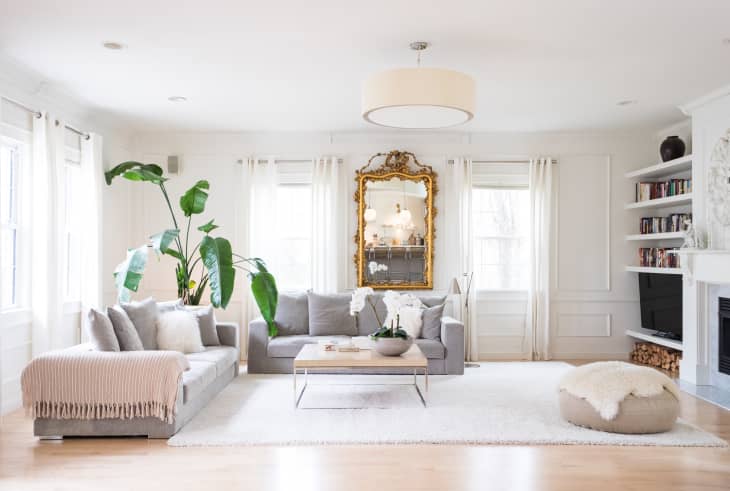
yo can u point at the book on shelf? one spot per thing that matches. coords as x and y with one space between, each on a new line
658 225
658 257
646 191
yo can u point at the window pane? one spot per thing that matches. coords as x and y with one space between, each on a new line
294 229
73 215
7 184
7 267
501 224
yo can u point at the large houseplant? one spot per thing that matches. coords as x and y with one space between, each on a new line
211 260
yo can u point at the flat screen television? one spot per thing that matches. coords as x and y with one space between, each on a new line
661 304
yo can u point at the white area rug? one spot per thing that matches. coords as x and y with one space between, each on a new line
506 403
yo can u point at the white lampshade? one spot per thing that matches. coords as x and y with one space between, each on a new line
418 98
405 216
454 288
370 215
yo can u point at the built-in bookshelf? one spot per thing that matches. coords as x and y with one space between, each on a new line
663 200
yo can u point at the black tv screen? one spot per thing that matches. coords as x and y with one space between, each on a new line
661 303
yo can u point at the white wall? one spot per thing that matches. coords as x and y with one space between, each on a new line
594 299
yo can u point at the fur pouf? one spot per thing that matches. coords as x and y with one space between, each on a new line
604 385
178 330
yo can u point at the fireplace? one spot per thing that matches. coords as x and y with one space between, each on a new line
724 336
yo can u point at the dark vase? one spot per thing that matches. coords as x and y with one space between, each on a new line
671 148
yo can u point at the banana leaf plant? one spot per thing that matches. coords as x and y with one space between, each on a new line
212 260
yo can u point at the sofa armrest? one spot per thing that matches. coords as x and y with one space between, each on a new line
258 345
228 334
452 336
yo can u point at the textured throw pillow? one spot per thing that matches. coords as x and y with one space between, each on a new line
163 307
178 330
329 315
124 330
207 325
432 322
144 317
292 314
101 331
411 320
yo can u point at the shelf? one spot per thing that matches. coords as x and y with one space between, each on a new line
648 335
646 269
680 199
658 236
663 169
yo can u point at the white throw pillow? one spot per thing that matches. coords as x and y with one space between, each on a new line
178 330
411 320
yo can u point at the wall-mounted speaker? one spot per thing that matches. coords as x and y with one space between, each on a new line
173 164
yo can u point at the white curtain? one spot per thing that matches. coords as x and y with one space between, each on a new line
46 279
327 214
92 174
458 219
538 303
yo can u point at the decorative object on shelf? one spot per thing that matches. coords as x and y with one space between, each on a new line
418 98
692 237
214 256
718 185
671 148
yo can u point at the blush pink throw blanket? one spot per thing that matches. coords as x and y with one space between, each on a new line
79 384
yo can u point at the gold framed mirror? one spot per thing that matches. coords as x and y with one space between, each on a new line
395 232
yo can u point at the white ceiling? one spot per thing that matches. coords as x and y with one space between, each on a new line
555 65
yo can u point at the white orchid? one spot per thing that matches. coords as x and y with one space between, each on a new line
359 296
374 267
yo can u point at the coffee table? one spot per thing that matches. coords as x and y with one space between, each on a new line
313 357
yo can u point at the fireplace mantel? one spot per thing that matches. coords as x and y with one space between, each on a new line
707 265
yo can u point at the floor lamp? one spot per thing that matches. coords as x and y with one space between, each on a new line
455 289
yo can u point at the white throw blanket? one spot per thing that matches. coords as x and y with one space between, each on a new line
74 384
605 384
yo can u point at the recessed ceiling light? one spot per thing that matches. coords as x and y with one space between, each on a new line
627 102
114 45
177 98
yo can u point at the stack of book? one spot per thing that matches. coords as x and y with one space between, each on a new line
658 225
655 190
658 257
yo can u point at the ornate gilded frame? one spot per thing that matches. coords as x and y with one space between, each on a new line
397 164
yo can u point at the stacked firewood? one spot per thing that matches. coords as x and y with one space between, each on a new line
656 356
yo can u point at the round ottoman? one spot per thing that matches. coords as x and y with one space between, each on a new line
618 397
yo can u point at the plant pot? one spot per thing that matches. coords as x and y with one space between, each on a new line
392 346
671 148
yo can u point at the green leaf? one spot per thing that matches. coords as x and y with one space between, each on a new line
208 227
218 260
193 201
161 242
136 171
263 287
128 274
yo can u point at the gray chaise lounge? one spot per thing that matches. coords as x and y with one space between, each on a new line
445 353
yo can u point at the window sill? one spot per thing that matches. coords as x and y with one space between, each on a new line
15 316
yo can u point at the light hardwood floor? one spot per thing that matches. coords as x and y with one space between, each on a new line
139 464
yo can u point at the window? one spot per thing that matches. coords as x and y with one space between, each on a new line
72 229
9 170
501 234
294 235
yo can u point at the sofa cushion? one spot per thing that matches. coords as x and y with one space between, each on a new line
143 315
367 322
330 315
431 328
124 330
177 330
289 346
169 305
206 324
292 314
222 357
432 300
432 348
101 331
195 380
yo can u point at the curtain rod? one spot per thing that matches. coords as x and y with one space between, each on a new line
451 162
38 114
287 161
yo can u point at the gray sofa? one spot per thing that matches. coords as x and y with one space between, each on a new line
210 371
300 319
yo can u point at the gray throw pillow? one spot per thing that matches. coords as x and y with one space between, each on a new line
329 315
124 330
101 331
367 321
292 314
144 318
432 300
431 327
207 325
169 306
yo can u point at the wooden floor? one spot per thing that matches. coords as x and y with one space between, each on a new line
139 464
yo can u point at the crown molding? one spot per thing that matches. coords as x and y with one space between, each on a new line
691 106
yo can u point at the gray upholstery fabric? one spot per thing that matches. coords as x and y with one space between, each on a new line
207 325
127 335
101 331
330 315
195 380
220 356
432 348
292 314
452 337
169 305
432 300
367 322
228 335
289 346
431 327
144 317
